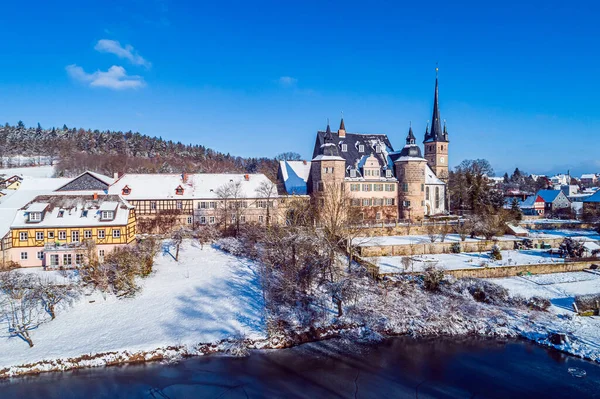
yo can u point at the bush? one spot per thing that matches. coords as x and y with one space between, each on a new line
538 303
455 248
10 265
432 278
486 292
495 253
231 245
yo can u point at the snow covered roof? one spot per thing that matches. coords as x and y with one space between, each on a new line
430 177
588 176
73 211
37 207
295 175
549 195
195 186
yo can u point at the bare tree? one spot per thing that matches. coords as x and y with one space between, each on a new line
444 230
51 294
265 192
233 203
177 240
432 232
19 305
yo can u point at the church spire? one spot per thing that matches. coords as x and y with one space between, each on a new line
436 134
410 139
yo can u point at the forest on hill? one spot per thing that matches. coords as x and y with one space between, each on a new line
74 150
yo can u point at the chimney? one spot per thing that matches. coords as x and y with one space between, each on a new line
116 175
304 162
342 129
95 196
247 177
184 177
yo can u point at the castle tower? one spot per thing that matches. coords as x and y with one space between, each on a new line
328 167
436 141
410 172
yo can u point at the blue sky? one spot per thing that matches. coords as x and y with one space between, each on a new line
518 82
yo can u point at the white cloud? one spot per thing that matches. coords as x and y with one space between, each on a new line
115 78
127 52
287 81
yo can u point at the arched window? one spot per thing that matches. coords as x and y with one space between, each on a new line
437 197
427 193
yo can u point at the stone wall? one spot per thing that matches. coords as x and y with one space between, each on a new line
509 271
444 247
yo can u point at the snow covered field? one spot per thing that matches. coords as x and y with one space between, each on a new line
583 332
205 297
393 264
31 171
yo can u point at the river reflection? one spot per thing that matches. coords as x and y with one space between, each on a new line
396 368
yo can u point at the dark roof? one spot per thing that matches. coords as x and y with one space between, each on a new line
411 149
328 146
354 158
593 198
436 133
342 126
85 182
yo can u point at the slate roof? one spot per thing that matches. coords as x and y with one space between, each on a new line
88 181
353 157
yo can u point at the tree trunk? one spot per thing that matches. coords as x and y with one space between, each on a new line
339 307
177 253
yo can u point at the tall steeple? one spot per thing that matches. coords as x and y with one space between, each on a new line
436 133
410 139
342 129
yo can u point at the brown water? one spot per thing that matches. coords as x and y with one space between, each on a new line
396 368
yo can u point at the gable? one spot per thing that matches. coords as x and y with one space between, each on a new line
84 182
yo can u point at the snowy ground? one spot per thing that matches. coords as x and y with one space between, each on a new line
206 297
473 260
31 171
583 332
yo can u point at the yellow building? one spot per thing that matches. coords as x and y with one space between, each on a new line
12 183
55 230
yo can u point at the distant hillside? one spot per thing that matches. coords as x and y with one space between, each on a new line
76 150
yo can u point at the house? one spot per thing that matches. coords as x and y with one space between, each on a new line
55 230
384 184
560 180
533 205
554 200
570 189
591 207
589 180
11 183
294 176
167 201
87 182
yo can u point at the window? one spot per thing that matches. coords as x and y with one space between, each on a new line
366 202
427 193
202 219
405 187
354 187
243 218
442 159
422 187
40 255
378 201
23 255
179 190
62 235
126 190
75 236
39 235
179 205
54 260
35 216
211 220
50 234
367 172
87 234
84 213
355 202
352 172
437 197
344 147
261 204
378 187
23 236
388 173
406 204
107 215
361 148
61 213
378 216
153 205
116 233
101 234
378 148
202 205
390 187
320 186
261 218
390 201
366 187
189 220
422 203
233 218
79 259
67 259
212 205
100 255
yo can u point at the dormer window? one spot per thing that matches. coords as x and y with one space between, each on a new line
61 213
388 173
344 147
378 148
107 215
126 190
352 172
361 148
35 216
179 190
84 213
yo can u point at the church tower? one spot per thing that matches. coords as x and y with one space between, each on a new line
436 141
327 168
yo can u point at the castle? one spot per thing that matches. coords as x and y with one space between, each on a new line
385 184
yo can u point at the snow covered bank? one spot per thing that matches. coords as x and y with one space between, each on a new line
582 332
29 171
207 297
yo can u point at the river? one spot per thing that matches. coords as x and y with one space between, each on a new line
395 368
